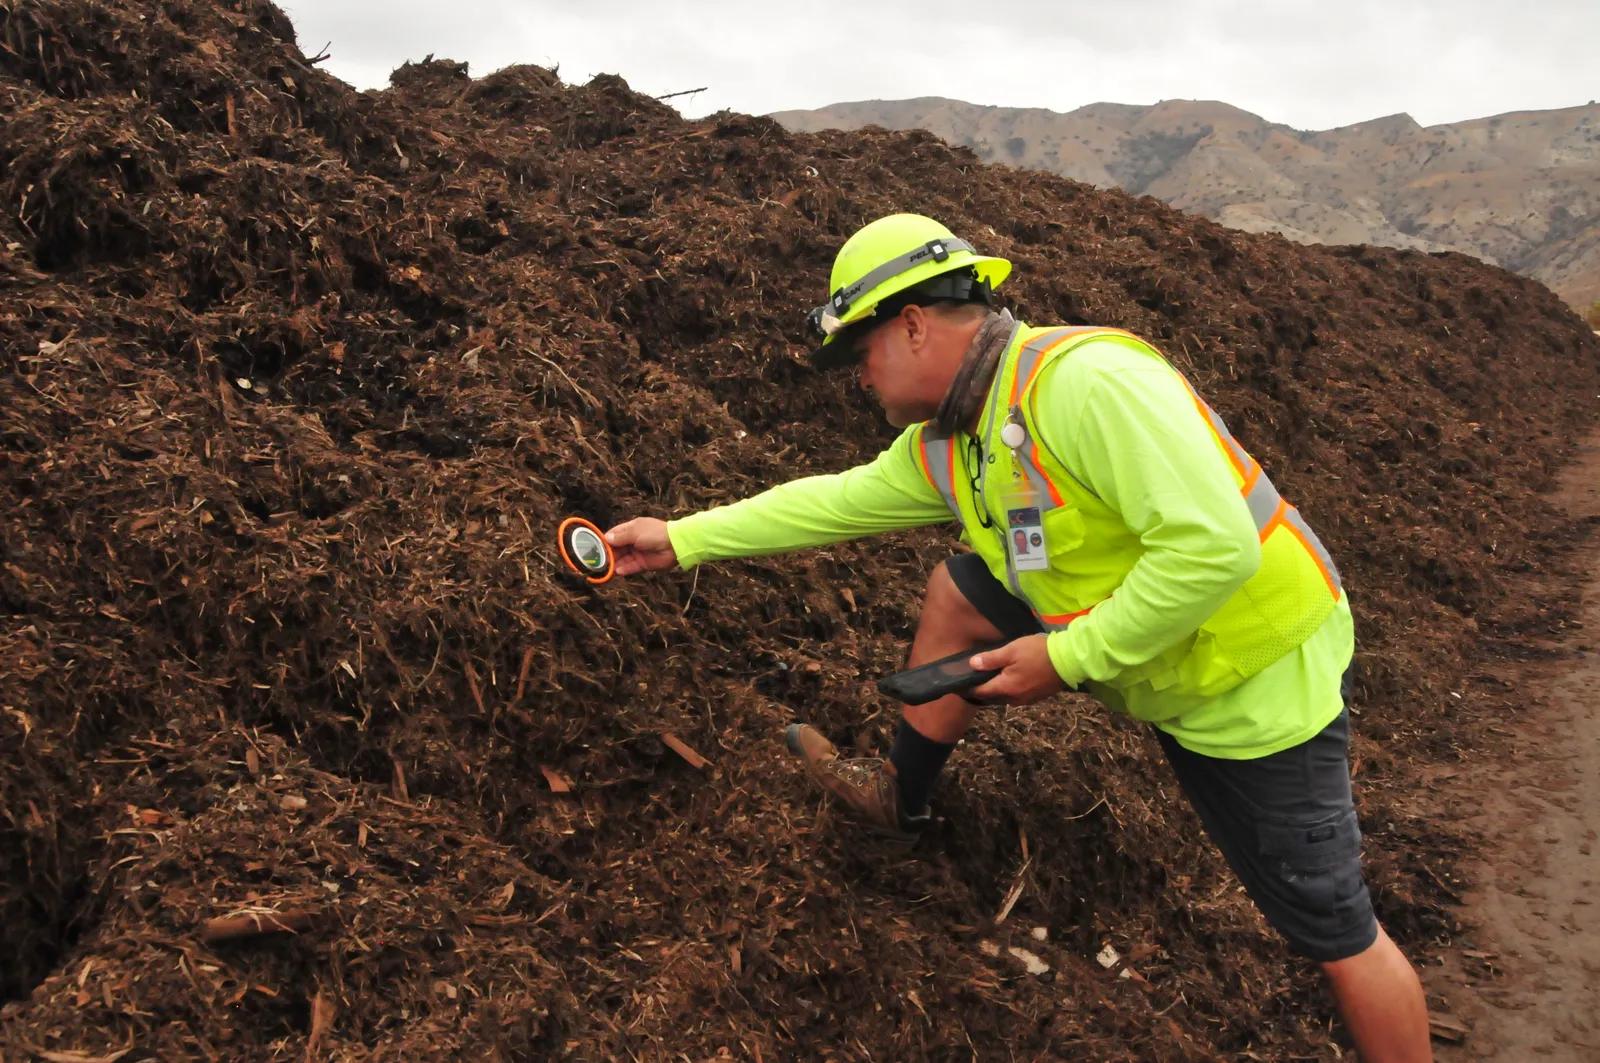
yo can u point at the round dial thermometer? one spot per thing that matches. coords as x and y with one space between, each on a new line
585 550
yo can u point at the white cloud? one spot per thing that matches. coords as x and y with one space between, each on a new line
1312 65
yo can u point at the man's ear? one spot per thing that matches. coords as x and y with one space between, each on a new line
917 321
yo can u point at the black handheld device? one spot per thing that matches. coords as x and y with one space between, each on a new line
947 675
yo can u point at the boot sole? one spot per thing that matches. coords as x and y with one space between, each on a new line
791 738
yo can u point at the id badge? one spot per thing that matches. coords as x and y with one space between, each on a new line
1025 533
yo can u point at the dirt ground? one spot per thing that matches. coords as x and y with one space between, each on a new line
1525 981
311 749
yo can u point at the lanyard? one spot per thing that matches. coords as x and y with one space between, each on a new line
988 427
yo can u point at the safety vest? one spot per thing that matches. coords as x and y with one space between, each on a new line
1090 549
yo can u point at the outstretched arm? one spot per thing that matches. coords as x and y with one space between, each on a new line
888 494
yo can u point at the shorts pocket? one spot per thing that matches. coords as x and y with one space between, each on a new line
1316 860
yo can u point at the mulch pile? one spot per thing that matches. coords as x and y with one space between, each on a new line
311 749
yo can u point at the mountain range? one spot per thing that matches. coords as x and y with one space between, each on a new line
1521 190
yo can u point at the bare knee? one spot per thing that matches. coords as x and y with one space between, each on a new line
946 610
943 598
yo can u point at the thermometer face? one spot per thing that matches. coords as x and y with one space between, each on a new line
585 550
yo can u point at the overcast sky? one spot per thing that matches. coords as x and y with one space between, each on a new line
1309 63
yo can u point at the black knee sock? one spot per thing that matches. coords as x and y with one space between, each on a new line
917 760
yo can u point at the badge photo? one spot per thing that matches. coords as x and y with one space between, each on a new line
1025 538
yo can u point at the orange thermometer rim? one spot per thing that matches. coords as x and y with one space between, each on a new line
572 563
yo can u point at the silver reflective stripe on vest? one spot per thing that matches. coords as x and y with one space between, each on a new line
1292 516
938 453
1263 500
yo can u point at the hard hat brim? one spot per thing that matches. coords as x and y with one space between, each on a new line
832 356
839 350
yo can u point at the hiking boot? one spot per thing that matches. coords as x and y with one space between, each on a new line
866 785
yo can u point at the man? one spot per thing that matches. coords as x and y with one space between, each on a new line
1126 545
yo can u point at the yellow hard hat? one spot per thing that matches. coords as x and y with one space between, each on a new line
893 255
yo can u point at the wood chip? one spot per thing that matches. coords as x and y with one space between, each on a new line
255 924
322 1011
1447 1029
1030 961
676 744
559 783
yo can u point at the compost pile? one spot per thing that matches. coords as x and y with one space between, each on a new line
310 749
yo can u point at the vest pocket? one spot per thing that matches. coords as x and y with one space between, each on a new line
1063 531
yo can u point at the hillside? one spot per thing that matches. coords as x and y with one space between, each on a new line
1521 190
310 748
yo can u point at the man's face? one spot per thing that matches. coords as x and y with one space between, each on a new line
893 370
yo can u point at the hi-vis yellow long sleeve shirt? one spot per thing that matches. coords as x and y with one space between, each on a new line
1128 429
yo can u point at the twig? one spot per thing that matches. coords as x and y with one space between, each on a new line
77 1057
685 92
1015 892
472 683
522 675
1437 881
594 402
1091 808
692 585
437 654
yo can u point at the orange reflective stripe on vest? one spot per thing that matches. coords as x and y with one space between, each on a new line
1030 361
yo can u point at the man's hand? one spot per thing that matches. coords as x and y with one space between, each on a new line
641 545
1026 673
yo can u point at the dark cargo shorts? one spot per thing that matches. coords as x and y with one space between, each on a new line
1286 822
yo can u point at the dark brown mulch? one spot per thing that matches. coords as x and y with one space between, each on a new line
296 383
